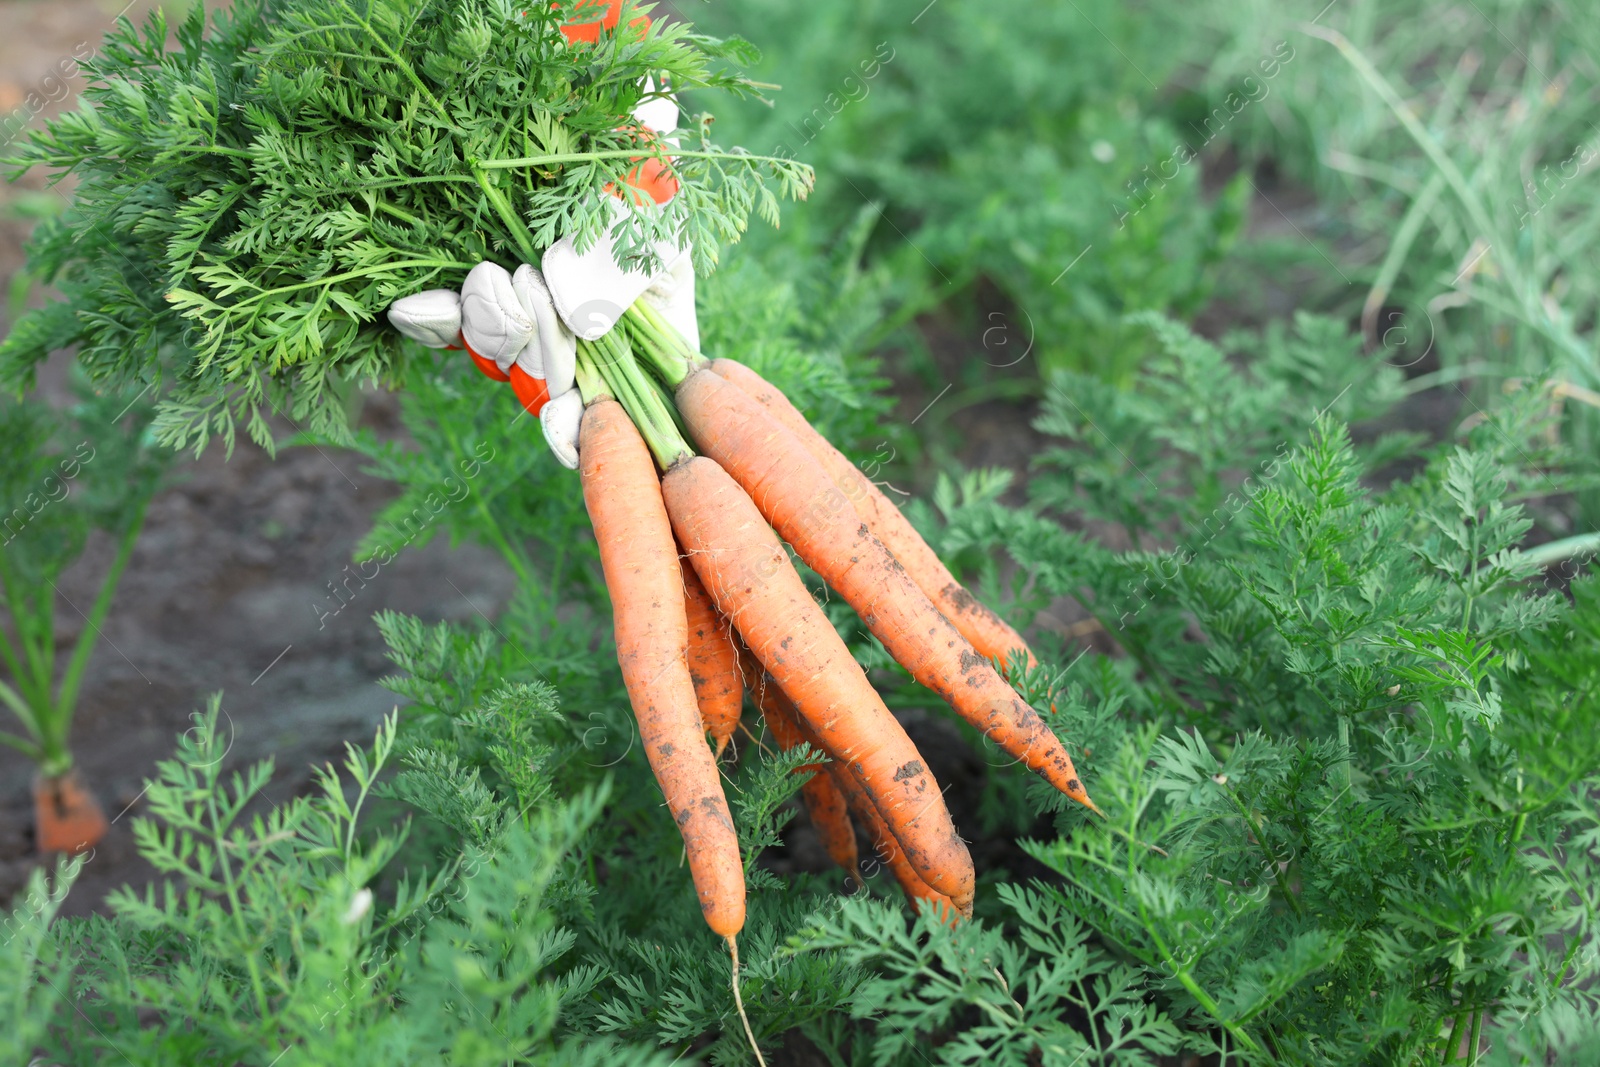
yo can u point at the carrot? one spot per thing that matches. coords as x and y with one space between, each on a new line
824 802
66 816
916 890
788 729
713 662
640 561
813 514
988 634
748 574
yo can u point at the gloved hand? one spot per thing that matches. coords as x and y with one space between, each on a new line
522 328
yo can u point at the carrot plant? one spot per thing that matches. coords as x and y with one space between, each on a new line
1346 753
1338 720
68 474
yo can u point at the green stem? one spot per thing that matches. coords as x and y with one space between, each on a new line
404 67
1472 1038
667 349
1564 549
237 909
403 216
67 696
30 720
1452 1039
21 744
616 364
32 676
1261 840
382 268
591 386
502 207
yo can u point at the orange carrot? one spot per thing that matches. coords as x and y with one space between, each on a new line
66 816
713 662
989 634
751 581
640 561
789 729
918 893
824 802
813 514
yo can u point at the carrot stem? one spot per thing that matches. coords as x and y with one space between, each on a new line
591 386
666 349
614 362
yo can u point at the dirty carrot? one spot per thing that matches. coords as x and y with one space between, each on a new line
824 802
640 561
713 662
815 516
751 581
988 634
788 729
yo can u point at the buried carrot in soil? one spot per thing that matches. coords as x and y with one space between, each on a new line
750 579
810 512
67 818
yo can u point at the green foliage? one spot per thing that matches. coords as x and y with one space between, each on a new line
271 939
1004 141
1352 807
1041 993
1345 739
249 204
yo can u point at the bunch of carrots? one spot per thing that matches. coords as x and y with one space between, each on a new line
708 606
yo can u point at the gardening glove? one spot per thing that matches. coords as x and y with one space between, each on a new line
560 420
432 318
522 327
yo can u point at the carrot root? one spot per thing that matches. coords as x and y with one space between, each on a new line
989 634
738 1002
821 795
748 574
640 561
67 818
713 662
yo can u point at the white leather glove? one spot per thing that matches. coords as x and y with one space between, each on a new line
672 294
432 318
590 290
560 421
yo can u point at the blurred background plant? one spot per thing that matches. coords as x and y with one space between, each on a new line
67 474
